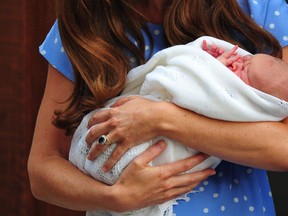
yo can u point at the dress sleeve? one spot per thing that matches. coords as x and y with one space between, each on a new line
272 15
53 51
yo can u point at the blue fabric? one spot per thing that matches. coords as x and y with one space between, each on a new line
52 49
272 15
235 190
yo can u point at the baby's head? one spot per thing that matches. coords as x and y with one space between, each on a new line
266 73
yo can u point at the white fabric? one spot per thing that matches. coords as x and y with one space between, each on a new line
192 79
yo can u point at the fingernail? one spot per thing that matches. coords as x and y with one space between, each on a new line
213 172
104 169
161 144
89 157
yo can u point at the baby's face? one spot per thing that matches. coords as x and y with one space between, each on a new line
266 73
265 64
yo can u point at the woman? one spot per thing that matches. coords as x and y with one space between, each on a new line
94 34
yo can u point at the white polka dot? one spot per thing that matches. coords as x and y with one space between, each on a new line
249 171
277 13
205 182
255 2
245 198
222 208
270 193
264 209
251 208
147 47
55 40
236 200
220 174
236 181
43 52
62 50
205 210
285 38
201 189
215 195
272 26
132 60
156 32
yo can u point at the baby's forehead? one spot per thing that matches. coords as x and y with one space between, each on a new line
263 57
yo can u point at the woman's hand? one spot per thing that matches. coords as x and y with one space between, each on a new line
141 185
130 121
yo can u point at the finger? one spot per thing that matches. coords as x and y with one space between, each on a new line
96 150
176 193
182 165
123 100
99 146
204 45
230 52
214 48
187 179
99 117
221 51
96 131
229 61
183 184
151 153
120 102
114 157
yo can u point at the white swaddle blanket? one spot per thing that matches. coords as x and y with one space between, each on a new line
193 79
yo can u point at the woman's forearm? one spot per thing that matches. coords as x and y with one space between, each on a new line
262 144
57 182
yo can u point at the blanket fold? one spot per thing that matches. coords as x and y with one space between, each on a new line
193 79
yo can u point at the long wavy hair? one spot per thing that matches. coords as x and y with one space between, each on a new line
94 34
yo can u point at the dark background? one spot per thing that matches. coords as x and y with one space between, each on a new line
23 26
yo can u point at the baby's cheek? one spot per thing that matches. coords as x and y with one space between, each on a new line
256 78
244 76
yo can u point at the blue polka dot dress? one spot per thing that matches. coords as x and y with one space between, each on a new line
235 190
272 15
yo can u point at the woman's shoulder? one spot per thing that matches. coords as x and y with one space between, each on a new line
52 50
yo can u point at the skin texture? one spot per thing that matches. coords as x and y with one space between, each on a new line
259 144
268 68
55 180
51 147
256 70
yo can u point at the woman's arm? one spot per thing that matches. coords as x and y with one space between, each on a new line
263 144
133 120
260 144
55 180
285 53
52 177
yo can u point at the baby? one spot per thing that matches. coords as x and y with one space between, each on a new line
255 70
196 77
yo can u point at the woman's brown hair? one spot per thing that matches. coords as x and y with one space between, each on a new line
95 34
